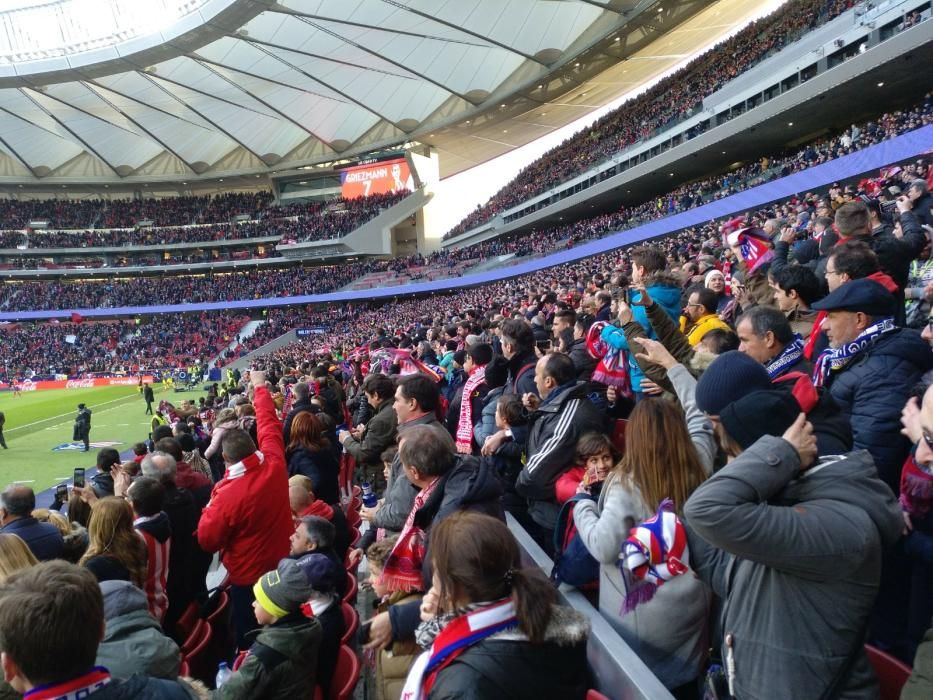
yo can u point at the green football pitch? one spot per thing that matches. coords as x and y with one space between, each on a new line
39 424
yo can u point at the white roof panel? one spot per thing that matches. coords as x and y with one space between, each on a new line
328 78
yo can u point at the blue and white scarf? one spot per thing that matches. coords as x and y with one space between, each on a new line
790 355
836 359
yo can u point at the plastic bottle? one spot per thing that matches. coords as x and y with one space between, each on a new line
223 674
369 498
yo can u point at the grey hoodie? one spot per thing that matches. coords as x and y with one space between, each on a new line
797 560
133 641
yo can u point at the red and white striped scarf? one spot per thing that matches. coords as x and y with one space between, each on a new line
459 635
465 424
156 571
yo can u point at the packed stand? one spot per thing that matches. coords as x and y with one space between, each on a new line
336 218
674 99
318 221
724 405
732 421
182 211
77 349
309 280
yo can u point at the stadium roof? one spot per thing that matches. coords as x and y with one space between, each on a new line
105 91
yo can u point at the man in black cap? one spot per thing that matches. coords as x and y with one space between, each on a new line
82 427
870 368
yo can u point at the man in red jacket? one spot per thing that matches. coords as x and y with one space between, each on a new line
248 519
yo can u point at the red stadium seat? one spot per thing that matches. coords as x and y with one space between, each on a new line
354 537
353 518
351 621
186 623
346 675
183 669
199 658
350 596
351 568
595 695
222 640
892 673
618 435
199 632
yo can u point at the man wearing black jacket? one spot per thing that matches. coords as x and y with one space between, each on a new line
557 420
894 254
518 347
447 483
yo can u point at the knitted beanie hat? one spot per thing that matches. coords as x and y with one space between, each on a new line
757 414
321 573
731 376
282 590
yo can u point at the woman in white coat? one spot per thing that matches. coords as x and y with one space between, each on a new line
669 452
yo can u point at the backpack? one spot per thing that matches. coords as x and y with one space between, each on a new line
521 373
573 563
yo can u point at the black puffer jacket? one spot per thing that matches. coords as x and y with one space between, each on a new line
873 389
499 669
583 362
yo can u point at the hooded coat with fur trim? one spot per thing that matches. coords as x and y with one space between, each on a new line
133 641
505 668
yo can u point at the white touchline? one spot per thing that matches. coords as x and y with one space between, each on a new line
20 427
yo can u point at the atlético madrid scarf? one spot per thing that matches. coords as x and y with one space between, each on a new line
465 424
655 552
459 635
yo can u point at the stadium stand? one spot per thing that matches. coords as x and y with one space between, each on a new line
676 97
451 263
601 458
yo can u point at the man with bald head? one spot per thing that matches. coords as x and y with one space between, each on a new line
16 505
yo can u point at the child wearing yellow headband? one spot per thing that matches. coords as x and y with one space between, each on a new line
282 661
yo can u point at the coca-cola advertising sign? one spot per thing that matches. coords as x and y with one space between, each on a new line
87 383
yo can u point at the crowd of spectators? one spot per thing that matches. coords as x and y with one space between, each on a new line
674 99
296 223
773 386
787 343
294 281
127 213
156 342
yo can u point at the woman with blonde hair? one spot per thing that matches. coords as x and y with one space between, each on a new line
14 555
669 452
116 550
73 533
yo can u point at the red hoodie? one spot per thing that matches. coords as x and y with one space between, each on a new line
248 519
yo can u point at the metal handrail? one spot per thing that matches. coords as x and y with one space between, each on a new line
617 671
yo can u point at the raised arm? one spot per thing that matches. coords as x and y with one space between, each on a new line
268 425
